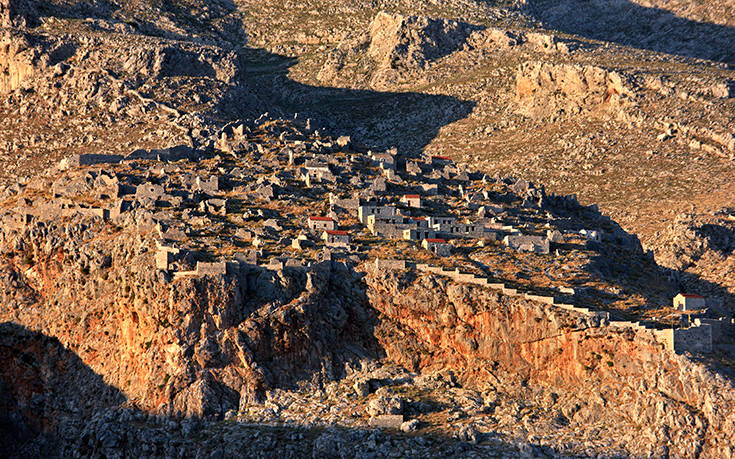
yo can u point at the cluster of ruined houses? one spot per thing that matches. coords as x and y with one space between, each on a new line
381 216
433 232
392 222
315 164
407 218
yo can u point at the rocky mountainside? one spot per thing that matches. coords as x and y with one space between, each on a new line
366 229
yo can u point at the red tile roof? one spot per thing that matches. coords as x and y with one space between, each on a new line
321 219
438 241
691 295
421 219
442 158
411 196
336 233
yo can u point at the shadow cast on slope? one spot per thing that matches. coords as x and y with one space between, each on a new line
42 385
626 264
628 23
408 121
53 405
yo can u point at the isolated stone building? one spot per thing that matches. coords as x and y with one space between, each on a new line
689 302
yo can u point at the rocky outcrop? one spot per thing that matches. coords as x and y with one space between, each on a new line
19 59
543 89
176 61
394 47
16 13
44 390
700 248
696 29
128 433
411 42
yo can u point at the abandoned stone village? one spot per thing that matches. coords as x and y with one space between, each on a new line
245 204
367 229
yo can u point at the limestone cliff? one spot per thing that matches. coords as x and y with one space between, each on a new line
430 323
206 346
543 89
189 346
19 59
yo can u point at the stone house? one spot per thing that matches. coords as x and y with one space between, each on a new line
439 246
434 221
411 200
456 229
418 234
395 226
689 302
336 238
318 172
379 211
321 223
345 203
384 226
317 168
420 222
524 243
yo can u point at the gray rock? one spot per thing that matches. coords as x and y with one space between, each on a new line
385 404
410 425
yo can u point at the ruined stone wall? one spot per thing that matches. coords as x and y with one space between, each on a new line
698 338
693 339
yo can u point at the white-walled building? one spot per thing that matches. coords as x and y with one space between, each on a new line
411 200
689 302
